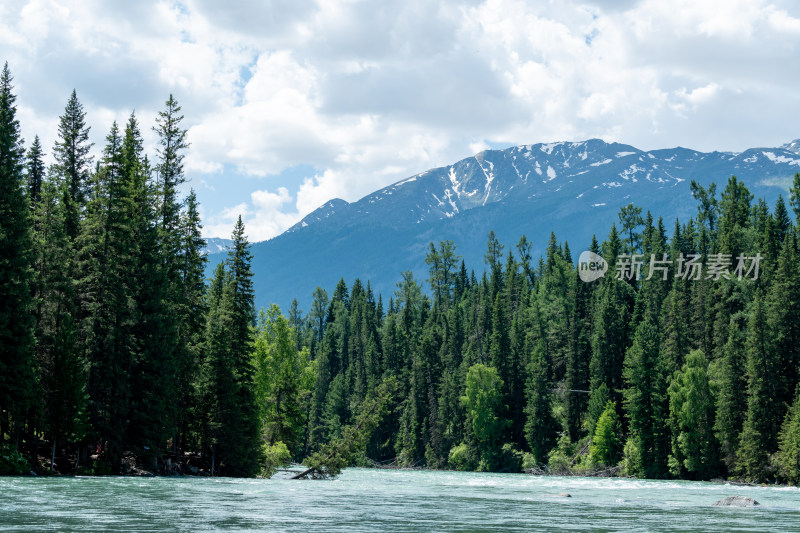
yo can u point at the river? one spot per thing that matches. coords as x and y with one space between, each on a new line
388 500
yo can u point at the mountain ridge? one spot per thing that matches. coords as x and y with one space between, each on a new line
568 187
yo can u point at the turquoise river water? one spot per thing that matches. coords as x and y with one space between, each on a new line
388 500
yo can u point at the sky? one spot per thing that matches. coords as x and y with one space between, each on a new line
289 103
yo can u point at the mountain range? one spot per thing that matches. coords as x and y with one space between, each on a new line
574 189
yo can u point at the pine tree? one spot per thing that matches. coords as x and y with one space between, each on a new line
540 427
630 217
732 391
610 336
788 456
103 290
57 331
760 430
71 153
645 399
240 439
783 317
36 171
191 315
794 198
17 363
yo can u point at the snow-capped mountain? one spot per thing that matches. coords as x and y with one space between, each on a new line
216 245
572 188
793 146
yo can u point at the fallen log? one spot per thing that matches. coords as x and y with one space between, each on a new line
329 461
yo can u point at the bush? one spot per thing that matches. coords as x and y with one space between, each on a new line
12 462
462 457
604 450
528 462
559 462
274 457
631 464
510 459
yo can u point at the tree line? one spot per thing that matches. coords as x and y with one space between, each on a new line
685 366
116 352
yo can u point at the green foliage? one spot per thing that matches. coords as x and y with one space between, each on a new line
18 373
645 400
760 430
111 338
540 428
12 462
462 457
788 457
284 379
691 406
632 462
482 400
560 458
607 439
731 384
340 452
273 457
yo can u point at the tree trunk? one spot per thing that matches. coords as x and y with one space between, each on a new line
53 455
213 457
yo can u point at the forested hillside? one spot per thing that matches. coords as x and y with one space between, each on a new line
116 355
688 370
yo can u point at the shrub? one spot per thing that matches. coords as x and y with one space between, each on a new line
462 457
274 457
12 462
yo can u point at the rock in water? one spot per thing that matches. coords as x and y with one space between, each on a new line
736 501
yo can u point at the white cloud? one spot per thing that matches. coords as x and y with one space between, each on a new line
367 93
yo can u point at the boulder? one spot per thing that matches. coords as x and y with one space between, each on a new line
736 501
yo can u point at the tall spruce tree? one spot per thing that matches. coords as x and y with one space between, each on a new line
35 170
760 430
73 161
240 438
60 358
17 362
646 401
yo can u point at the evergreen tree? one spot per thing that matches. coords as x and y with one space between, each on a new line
645 400
240 430
63 376
36 171
17 362
760 430
192 308
72 159
630 217
783 318
788 456
540 427
732 391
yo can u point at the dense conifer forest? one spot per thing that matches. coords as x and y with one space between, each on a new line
117 356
